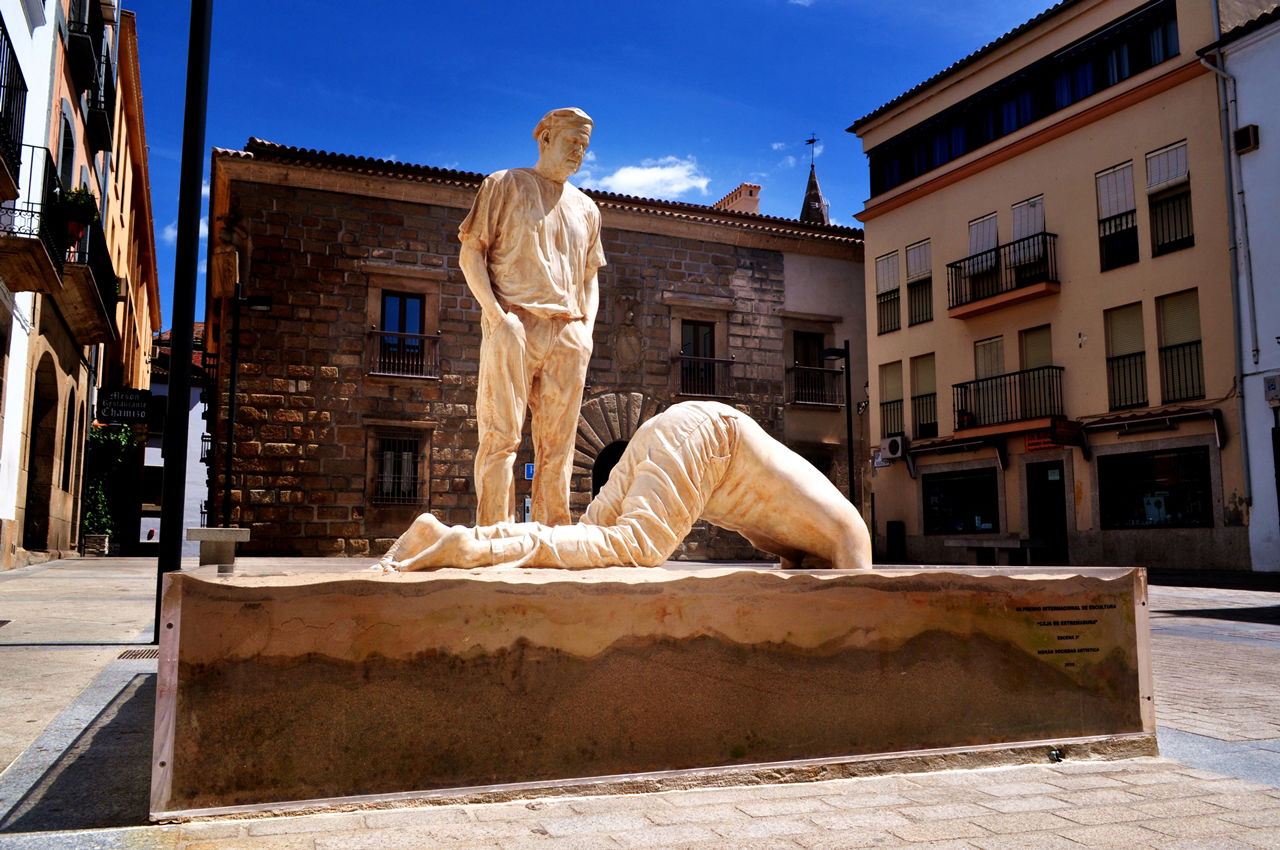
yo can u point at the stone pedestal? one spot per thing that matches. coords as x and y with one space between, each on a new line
322 685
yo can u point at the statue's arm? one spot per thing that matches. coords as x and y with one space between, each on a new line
593 298
475 268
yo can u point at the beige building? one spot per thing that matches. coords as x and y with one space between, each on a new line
1051 356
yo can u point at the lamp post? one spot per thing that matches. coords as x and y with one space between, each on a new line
257 304
842 353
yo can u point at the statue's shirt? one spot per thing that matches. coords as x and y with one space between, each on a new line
541 238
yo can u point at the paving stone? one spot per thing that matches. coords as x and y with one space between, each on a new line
938 831
1268 838
307 823
1009 805
1084 782
947 811
671 815
1023 822
1216 843
860 819
866 800
664 836
1017 789
763 828
798 806
1254 817
1112 835
1192 827
1182 807
1038 841
847 840
1094 815
1243 801
598 823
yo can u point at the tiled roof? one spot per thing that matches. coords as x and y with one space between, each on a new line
261 150
1270 16
965 62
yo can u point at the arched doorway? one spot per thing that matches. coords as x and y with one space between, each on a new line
41 448
605 462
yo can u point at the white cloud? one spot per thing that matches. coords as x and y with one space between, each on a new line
169 235
800 2
777 146
590 156
667 177
818 149
787 161
204 189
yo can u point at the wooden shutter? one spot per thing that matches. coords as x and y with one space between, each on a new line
1028 218
887 272
923 379
1037 347
891 381
1166 165
1115 190
1124 330
988 357
919 260
1179 318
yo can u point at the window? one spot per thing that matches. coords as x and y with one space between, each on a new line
888 314
1037 387
811 382
402 347
1126 357
1027 253
403 310
983 400
891 399
1181 365
68 441
699 343
1117 218
961 502
924 397
398 464
1169 198
698 358
1161 489
981 269
919 283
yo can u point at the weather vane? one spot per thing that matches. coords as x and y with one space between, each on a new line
813 142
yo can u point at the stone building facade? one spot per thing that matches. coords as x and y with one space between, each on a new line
354 404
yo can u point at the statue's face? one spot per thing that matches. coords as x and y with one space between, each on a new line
567 147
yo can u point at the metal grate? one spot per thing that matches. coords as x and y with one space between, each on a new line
140 653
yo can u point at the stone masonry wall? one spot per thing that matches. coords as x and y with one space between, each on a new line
306 402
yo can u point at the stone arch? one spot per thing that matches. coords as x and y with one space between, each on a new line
608 418
41 448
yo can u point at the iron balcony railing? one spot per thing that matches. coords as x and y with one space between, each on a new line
206 448
86 40
924 415
1013 397
102 106
90 249
815 385
1024 262
920 301
13 104
1127 380
1118 240
1182 371
891 418
35 213
404 355
704 376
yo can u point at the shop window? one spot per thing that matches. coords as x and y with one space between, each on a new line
1162 489
961 502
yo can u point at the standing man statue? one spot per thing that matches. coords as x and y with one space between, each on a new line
530 251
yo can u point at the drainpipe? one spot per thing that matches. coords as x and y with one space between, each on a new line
1237 221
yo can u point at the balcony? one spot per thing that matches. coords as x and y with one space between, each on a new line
101 98
87 299
86 34
1127 380
704 376
891 418
815 386
1182 372
1024 400
404 355
1005 275
13 108
206 449
33 236
1118 240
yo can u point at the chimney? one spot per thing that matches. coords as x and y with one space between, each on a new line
745 198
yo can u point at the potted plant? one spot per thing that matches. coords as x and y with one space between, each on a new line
80 208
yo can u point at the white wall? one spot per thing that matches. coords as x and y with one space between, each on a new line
32 32
1255 63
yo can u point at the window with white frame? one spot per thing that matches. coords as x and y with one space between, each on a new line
1117 217
1169 198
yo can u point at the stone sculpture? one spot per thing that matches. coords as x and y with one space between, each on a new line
530 251
697 459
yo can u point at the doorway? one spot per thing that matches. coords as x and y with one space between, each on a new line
605 462
1047 512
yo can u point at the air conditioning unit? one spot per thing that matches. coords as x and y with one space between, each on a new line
893 447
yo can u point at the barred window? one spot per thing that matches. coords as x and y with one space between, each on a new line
398 464
888 309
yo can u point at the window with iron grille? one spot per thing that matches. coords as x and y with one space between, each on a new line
1169 199
398 464
888 310
1181 359
919 283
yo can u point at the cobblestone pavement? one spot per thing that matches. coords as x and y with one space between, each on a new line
1216 660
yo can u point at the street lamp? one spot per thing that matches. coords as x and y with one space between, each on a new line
256 304
843 354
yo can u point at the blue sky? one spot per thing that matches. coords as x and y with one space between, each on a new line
690 98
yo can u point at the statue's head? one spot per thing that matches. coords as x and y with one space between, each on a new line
563 136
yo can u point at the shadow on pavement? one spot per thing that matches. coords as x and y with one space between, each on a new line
104 777
1269 614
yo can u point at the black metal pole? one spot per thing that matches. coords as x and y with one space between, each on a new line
848 421
230 432
184 296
